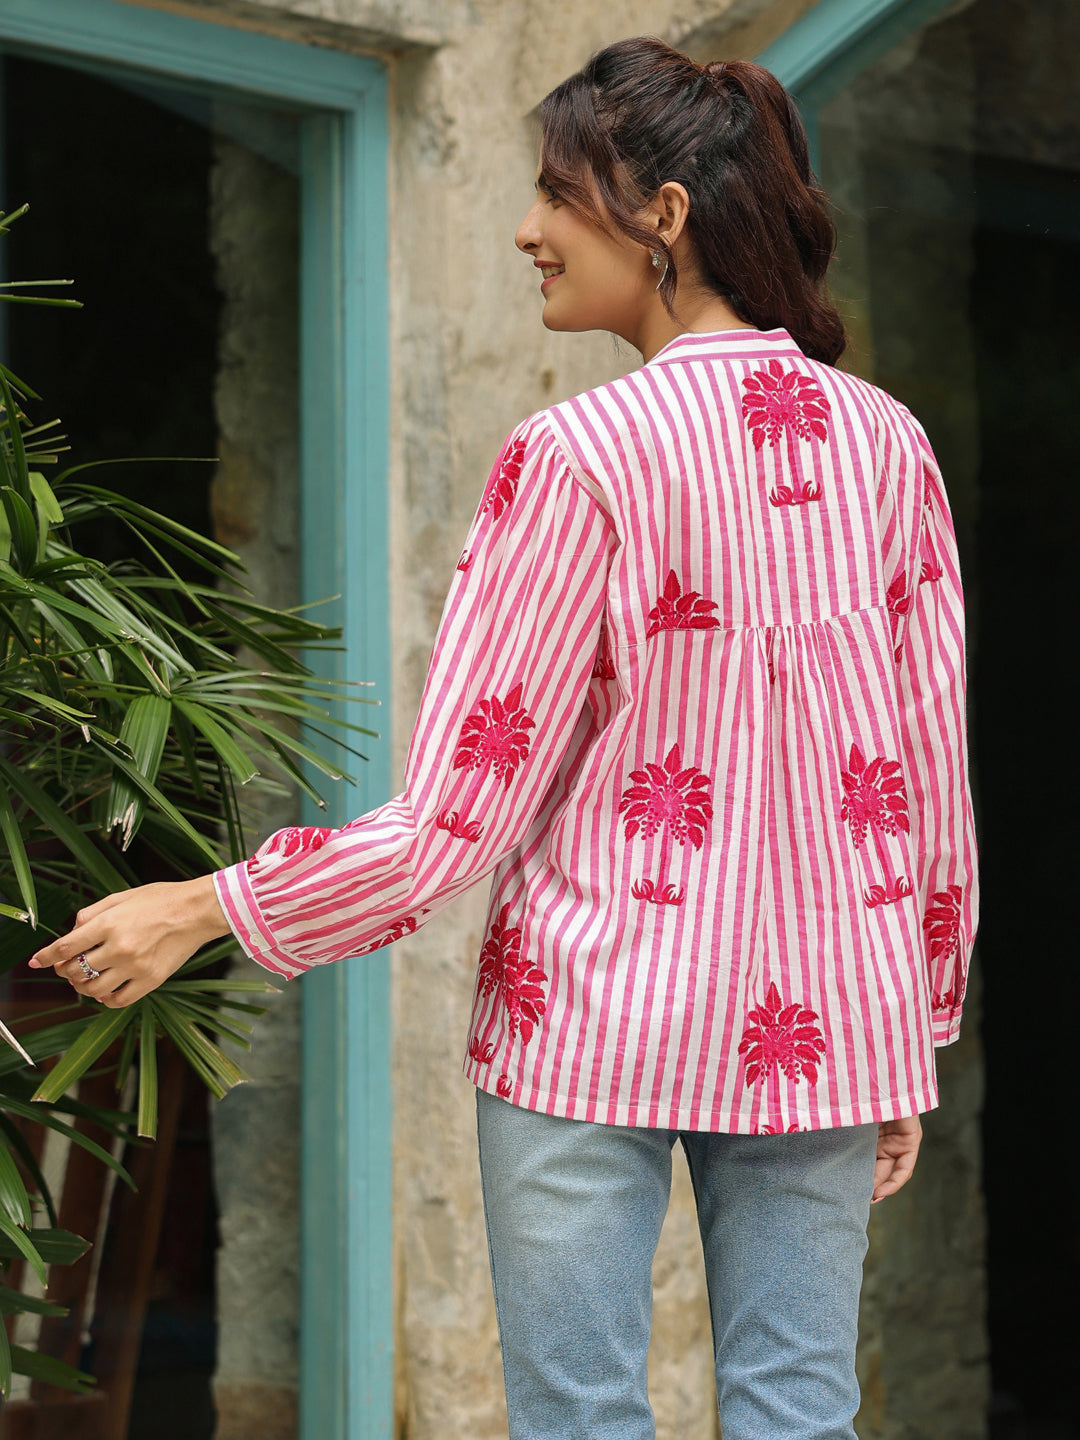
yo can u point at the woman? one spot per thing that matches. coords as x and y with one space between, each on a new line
697 699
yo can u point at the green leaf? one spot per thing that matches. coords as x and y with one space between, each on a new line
94 1041
217 1072
14 1200
55 1247
49 1040
209 1016
23 528
14 1302
17 466
52 1371
162 522
234 987
224 745
5 1362
148 1084
17 1141
42 1116
10 913
78 844
127 1053
144 731
165 806
17 854
49 510
15 1241
57 707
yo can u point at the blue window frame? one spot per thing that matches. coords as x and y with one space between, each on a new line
346 1305
837 40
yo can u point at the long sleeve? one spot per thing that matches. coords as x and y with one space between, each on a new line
508 677
932 686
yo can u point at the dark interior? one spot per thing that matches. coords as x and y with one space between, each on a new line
1025 305
118 189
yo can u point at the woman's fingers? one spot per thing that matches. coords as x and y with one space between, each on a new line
81 940
898 1149
96 987
136 938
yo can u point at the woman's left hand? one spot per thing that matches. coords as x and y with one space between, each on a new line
135 939
897 1151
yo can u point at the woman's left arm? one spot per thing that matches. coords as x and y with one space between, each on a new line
508 676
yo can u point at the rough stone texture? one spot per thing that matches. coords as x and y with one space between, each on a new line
254 501
268 1412
470 358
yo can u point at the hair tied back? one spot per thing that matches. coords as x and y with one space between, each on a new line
716 73
638 114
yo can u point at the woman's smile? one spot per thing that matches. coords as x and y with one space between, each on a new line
550 272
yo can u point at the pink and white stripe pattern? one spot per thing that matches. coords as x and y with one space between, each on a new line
697 698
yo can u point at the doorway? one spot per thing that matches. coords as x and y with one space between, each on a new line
177 214
955 166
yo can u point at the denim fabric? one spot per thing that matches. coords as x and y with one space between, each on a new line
574 1212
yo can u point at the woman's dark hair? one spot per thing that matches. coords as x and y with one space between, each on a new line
640 114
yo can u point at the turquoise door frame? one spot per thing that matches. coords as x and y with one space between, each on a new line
347 1305
836 41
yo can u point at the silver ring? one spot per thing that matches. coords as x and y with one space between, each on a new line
87 969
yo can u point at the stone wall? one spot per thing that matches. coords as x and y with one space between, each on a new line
470 358
254 501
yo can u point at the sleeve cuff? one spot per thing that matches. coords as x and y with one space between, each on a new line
946 1028
237 900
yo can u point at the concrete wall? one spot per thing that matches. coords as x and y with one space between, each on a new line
254 499
470 358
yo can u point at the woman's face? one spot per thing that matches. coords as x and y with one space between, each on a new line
590 279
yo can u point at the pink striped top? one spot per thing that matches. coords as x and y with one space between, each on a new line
697 698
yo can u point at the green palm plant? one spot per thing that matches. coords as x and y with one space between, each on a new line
135 704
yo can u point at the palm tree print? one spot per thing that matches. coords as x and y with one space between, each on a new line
503 485
942 923
296 839
400 928
779 1039
875 801
465 561
942 926
494 738
674 800
676 610
604 668
898 602
931 570
516 982
482 1051
779 402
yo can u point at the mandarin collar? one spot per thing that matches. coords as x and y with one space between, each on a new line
725 345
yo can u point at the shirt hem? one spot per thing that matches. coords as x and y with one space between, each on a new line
892 1107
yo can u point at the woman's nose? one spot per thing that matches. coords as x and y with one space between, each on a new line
528 234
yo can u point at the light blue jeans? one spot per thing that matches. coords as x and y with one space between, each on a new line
574 1212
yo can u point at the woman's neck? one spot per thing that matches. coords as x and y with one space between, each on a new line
696 312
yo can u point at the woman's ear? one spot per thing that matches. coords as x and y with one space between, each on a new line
668 212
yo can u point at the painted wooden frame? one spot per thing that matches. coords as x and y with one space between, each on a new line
837 40
347 1303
